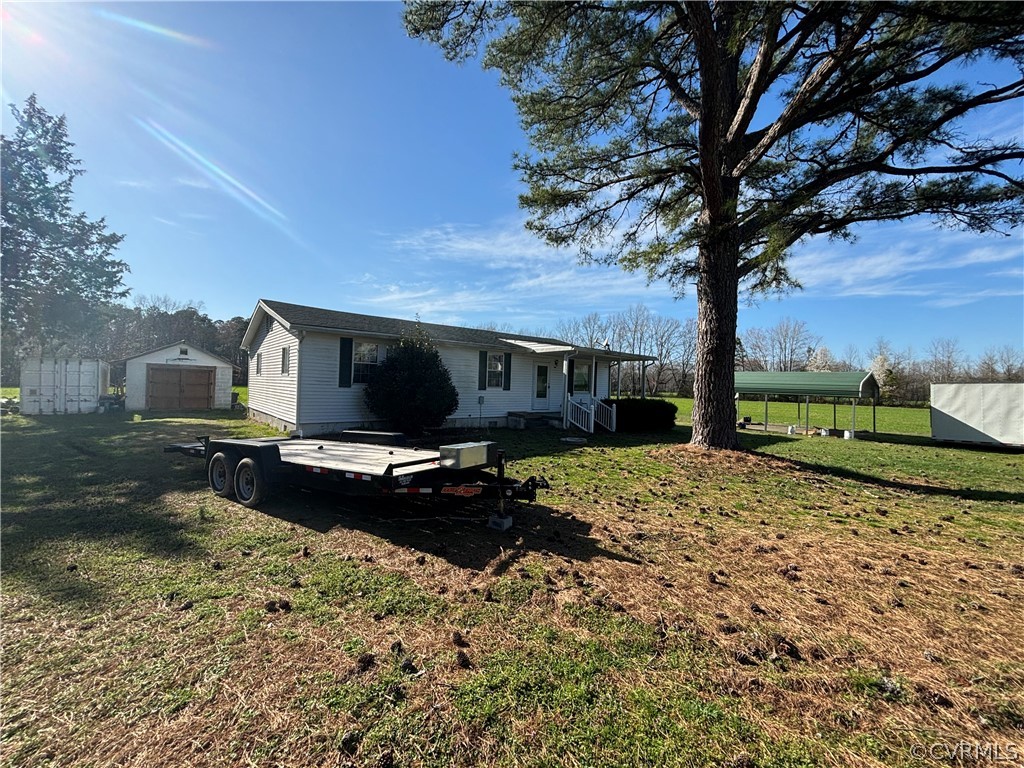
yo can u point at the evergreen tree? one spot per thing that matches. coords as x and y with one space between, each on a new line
412 390
700 141
57 266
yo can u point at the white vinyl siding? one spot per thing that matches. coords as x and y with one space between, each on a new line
323 401
272 392
464 363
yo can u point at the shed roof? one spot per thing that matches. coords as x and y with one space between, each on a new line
858 384
299 317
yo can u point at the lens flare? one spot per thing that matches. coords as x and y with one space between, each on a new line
153 29
221 179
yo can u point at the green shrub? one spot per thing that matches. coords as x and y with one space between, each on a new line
648 415
412 389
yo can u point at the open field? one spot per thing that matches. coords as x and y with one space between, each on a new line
891 419
811 601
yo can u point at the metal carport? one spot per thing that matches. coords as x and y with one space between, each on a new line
855 385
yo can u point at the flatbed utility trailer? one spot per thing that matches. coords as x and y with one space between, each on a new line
248 470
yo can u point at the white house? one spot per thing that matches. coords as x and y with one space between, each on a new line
308 368
177 377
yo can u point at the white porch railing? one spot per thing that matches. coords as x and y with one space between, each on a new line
580 415
605 415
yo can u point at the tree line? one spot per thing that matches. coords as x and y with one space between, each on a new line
903 374
114 332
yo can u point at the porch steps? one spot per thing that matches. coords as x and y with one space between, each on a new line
534 419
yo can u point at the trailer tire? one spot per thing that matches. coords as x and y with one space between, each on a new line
221 474
250 485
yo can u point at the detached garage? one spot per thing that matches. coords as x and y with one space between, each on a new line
178 377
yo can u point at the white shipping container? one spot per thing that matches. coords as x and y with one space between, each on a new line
978 413
62 385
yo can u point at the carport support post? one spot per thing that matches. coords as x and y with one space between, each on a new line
853 424
766 413
874 424
807 415
834 413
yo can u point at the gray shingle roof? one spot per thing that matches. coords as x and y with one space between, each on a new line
298 316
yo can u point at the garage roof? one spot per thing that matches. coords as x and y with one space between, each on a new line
852 384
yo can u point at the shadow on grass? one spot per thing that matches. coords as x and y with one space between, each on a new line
967 494
73 481
755 442
451 529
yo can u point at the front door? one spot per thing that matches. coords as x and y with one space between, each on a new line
540 388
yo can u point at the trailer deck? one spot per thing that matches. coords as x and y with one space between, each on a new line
249 469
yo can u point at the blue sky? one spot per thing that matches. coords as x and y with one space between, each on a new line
313 153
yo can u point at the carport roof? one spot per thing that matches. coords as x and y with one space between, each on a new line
852 384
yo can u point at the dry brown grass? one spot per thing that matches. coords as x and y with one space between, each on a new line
841 615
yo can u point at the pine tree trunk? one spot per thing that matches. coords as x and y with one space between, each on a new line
714 407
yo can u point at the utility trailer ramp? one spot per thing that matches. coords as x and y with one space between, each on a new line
358 458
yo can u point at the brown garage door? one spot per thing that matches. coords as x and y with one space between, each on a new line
177 388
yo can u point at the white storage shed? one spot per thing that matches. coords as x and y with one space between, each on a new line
978 413
178 377
62 385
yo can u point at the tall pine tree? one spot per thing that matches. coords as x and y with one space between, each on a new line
56 265
700 141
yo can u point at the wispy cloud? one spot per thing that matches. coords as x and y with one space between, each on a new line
192 182
959 300
135 183
941 267
514 276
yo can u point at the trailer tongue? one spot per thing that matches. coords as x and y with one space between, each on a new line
250 469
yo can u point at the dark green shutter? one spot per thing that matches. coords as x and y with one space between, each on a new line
571 375
345 363
482 380
506 382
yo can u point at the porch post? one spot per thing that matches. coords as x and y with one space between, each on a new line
565 391
618 379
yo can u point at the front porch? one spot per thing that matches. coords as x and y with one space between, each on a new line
584 414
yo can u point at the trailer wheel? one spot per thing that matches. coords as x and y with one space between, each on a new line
250 486
221 475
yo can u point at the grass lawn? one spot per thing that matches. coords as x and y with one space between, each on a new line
810 601
11 393
243 394
891 419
